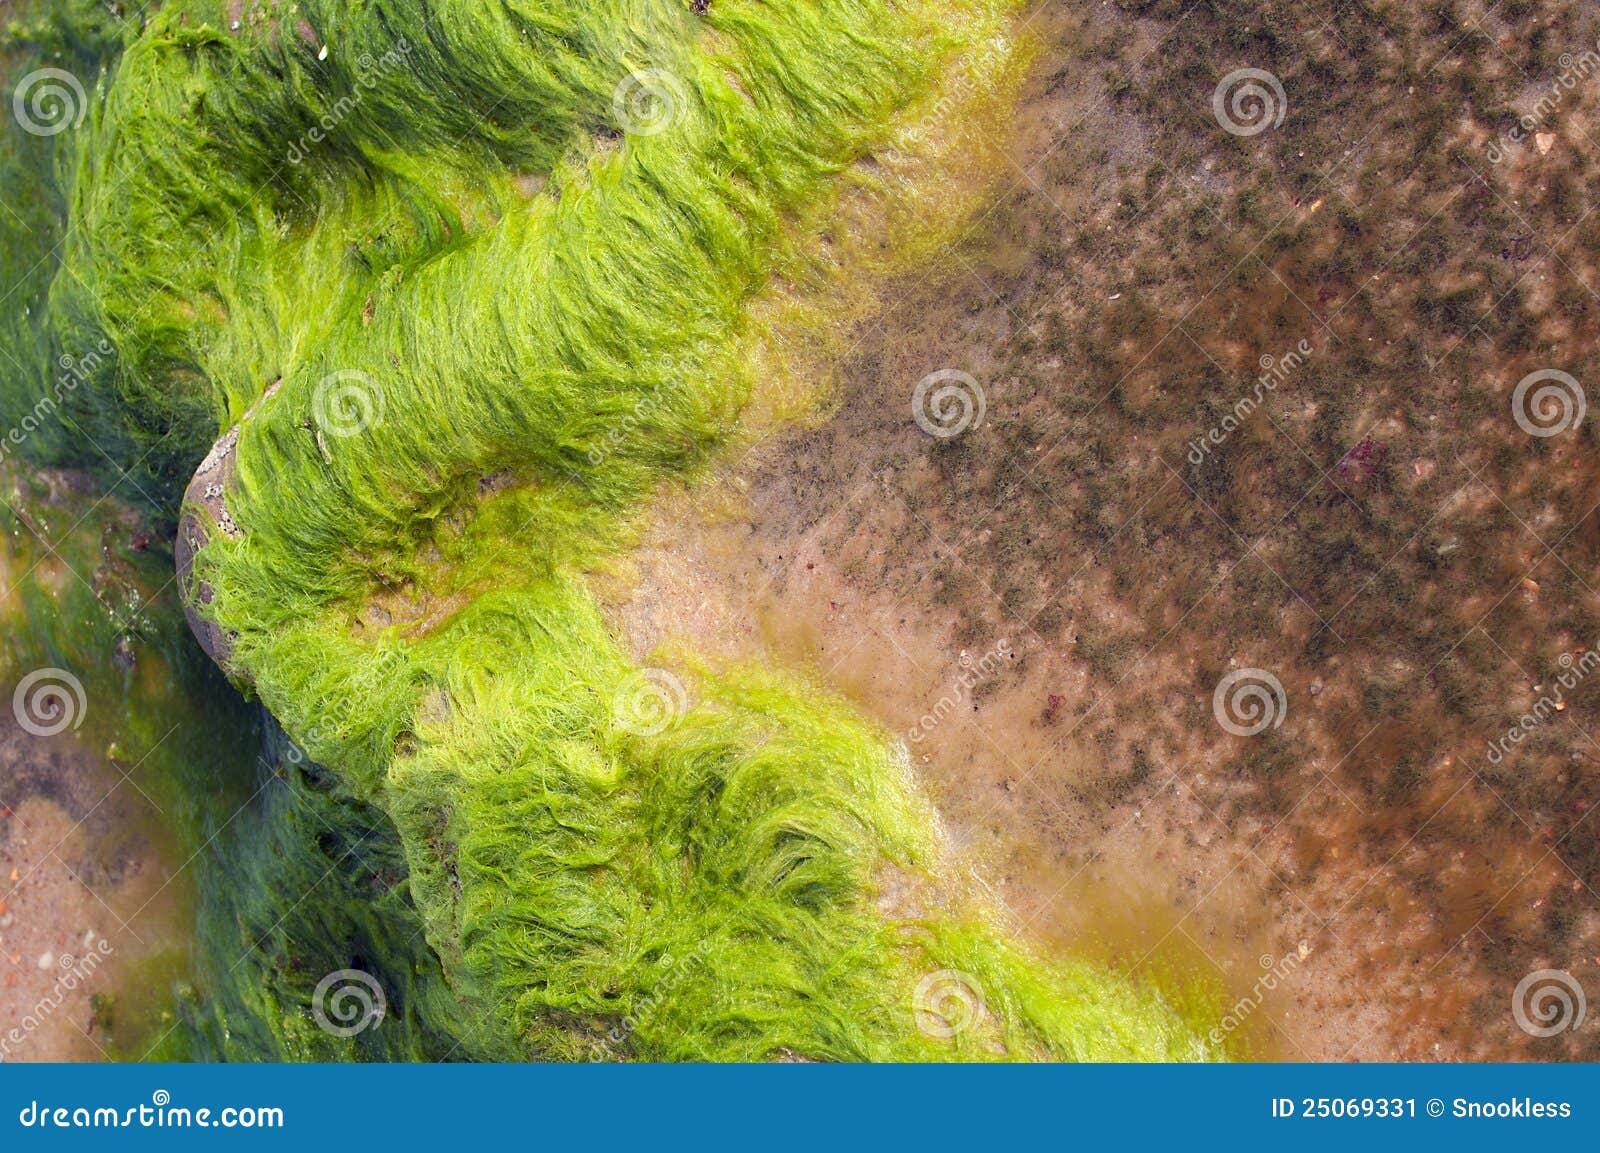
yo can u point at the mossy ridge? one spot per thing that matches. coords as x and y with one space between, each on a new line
516 333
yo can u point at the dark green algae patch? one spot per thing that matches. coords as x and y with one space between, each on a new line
495 265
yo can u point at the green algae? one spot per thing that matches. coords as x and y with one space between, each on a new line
500 262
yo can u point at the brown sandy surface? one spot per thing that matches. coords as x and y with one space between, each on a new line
84 893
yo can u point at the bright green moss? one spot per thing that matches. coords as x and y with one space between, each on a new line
450 216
